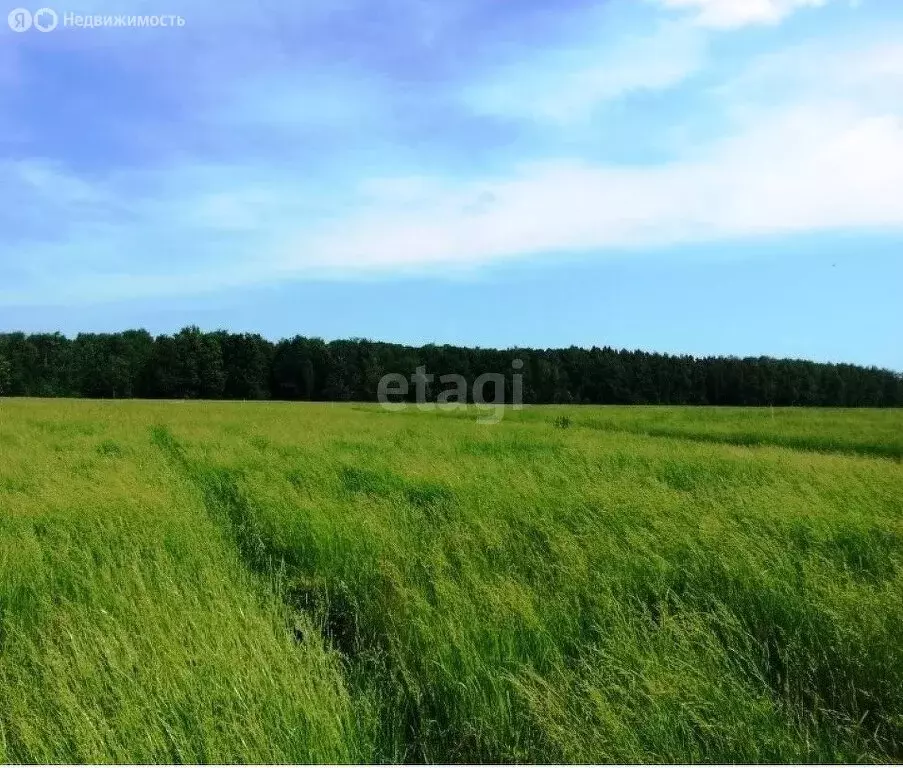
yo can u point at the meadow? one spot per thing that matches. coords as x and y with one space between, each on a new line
270 582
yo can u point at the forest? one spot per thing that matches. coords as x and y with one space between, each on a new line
193 364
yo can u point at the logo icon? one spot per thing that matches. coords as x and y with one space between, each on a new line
46 20
20 20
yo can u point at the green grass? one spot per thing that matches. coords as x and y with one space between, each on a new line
197 582
868 432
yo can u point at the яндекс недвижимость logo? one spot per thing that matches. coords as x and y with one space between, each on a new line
43 20
47 20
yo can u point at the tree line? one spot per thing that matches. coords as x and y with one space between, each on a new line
221 365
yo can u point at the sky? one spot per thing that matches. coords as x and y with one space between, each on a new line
682 176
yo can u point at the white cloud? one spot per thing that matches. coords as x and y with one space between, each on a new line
728 14
818 167
567 86
817 145
868 74
821 166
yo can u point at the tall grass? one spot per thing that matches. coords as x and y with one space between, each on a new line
130 630
864 431
328 583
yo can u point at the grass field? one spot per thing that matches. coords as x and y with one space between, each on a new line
199 582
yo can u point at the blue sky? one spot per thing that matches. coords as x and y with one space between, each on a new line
701 176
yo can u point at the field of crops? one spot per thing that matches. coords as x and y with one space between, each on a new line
197 582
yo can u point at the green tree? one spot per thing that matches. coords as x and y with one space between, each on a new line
200 370
4 375
247 360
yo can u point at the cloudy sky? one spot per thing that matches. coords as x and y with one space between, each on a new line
701 176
